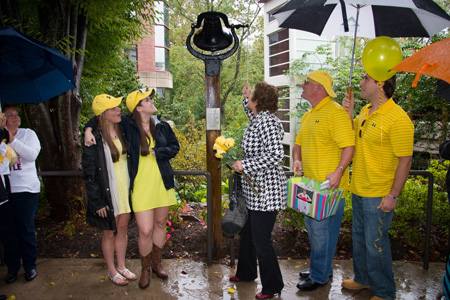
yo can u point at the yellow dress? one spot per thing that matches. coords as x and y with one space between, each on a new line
149 191
122 179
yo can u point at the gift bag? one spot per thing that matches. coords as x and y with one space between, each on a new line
306 196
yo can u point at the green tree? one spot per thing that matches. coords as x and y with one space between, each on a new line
92 34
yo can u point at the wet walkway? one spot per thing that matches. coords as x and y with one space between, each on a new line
76 279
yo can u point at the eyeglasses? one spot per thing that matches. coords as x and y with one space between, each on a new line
309 81
360 131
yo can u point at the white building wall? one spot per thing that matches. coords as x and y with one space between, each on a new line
300 42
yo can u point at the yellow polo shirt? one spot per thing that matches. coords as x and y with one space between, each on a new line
324 131
381 138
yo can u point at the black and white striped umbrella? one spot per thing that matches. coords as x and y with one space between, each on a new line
364 18
393 18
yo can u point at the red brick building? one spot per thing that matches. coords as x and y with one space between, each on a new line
152 54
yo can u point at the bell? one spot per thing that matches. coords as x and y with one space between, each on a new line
212 37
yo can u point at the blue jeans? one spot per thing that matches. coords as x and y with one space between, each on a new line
255 245
372 259
17 232
323 236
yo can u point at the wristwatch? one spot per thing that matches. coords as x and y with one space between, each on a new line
395 198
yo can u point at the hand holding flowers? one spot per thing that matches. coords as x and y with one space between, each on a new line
227 152
231 157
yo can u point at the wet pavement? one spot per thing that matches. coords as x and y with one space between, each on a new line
85 279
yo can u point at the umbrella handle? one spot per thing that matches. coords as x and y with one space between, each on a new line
349 91
422 69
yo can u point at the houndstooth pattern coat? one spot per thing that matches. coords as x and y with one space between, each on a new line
263 155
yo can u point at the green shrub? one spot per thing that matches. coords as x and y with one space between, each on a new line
292 219
409 219
410 215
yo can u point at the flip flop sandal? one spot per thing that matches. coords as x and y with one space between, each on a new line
118 279
127 274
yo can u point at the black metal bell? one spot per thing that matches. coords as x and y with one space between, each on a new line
212 37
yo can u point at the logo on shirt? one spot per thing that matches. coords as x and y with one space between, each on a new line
17 166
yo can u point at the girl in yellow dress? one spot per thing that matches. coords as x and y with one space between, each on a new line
153 190
105 171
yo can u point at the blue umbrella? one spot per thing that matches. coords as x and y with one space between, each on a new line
31 71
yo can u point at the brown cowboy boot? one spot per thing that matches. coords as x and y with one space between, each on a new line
146 262
156 263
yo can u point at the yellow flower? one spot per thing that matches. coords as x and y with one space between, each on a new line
218 147
220 140
219 153
229 143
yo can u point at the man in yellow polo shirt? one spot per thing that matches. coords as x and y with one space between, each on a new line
384 148
323 149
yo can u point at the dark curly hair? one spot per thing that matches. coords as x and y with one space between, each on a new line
267 97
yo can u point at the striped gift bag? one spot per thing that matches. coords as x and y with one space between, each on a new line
305 195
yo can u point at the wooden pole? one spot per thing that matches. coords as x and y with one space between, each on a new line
212 88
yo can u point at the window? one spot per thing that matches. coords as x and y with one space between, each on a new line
162 59
278 52
162 12
161 92
283 111
279 36
275 71
132 53
161 36
279 59
162 44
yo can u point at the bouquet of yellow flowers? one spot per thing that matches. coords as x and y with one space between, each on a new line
228 154
226 151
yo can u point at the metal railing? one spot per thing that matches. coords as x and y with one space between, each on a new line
427 226
427 174
176 173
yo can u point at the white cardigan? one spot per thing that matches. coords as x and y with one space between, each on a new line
23 175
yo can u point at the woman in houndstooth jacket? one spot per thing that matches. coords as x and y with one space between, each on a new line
263 155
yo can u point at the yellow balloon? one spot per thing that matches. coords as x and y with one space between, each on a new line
379 56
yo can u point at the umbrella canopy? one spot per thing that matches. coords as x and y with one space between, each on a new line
393 18
31 71
432 60
364 18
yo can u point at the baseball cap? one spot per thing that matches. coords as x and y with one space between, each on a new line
103 102
323 78
134 97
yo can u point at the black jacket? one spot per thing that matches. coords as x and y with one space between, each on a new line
95 176
4 190
166 147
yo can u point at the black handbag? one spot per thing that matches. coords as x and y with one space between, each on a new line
235 217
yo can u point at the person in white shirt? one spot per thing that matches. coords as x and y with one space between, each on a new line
17 232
